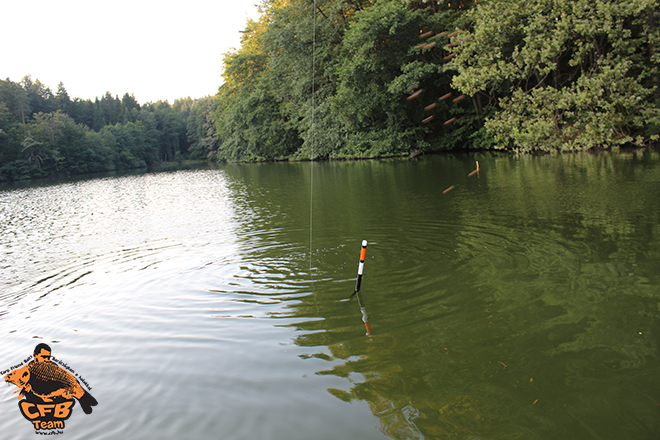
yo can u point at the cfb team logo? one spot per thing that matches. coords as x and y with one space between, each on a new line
49 391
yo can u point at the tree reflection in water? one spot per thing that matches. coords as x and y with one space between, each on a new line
526 306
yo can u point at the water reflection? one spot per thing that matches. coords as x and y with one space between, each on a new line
526 306
522 304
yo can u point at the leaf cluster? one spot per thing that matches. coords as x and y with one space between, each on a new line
563 75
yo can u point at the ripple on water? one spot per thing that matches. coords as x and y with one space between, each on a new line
488 314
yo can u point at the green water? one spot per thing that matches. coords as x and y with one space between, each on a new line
522 304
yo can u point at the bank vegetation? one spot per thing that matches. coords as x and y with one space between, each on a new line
331 79
366 78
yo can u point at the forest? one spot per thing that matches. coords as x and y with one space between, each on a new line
362 78
330 79
45 134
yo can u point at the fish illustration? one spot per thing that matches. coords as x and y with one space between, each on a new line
47 381
21 378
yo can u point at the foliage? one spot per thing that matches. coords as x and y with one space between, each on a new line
406 56
562 75
252 121
332 81
44 134
371 78
328 82
200 128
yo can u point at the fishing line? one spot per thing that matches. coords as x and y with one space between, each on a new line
311 154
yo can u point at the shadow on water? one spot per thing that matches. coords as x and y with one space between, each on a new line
523 304
64 179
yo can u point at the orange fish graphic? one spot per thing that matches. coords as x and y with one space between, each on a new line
47 381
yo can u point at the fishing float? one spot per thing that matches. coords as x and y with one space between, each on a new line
365 317
363 255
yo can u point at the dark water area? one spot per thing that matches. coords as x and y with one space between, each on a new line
211 303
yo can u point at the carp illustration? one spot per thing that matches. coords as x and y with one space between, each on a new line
47 381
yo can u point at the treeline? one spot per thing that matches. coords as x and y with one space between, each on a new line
364 78
371 78
44 133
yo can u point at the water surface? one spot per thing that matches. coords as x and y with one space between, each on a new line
522 304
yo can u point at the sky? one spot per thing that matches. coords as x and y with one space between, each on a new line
156 50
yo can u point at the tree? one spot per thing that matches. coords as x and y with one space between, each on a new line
80 136
331 81
39 96
380 63
561 74
62 100
171 130
251 121
129 108
15 99
200 128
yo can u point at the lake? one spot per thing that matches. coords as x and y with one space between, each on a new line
523 303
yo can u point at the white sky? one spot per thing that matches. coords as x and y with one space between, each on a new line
157 50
